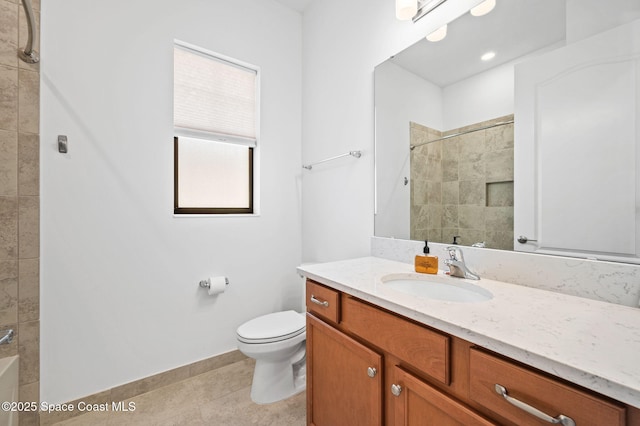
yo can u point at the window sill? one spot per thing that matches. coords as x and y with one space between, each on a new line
188 216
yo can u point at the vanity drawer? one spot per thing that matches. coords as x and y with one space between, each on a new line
550 396
418 346
323 301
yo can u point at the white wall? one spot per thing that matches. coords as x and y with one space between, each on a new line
120 297
482 97
400 97
486 95
588 17
342 43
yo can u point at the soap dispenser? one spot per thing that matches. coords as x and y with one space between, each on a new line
425 263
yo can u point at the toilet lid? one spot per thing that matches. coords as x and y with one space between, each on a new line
272 327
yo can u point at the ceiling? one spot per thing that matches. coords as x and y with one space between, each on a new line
513 29
298 5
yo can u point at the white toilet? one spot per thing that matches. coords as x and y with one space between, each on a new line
277 342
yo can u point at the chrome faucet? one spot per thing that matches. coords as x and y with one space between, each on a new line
457 267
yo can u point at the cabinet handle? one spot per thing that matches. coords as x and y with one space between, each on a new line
560 419
319 302
396 390
371 372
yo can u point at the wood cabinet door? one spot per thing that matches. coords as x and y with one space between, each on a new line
418 404
344 379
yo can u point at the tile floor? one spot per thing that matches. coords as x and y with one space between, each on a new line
216 398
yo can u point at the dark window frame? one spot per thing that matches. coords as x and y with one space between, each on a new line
209 210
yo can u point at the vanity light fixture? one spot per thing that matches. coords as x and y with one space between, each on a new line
488 56
438 34
483 8
415 9
406 9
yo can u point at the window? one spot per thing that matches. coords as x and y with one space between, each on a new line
215 127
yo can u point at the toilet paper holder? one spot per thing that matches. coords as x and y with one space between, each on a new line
207 283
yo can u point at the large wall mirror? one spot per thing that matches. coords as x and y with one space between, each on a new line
468 131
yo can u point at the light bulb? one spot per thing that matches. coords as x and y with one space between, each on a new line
406 9
488 56
483 8
438 34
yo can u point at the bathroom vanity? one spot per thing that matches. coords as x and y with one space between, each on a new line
376 355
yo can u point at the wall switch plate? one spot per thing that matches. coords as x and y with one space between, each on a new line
62 144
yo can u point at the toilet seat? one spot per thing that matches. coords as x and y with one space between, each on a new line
273 327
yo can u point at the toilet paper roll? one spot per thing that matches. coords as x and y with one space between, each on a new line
217 285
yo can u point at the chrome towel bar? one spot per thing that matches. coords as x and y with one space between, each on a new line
356 154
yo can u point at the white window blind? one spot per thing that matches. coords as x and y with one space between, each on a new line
213 96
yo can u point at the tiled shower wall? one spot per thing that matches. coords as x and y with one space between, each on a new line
463 186
19 200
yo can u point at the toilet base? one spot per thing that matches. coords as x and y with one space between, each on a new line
280 369
275 381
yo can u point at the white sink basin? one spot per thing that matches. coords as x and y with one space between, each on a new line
437 287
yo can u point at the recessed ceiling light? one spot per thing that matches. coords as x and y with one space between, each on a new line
483 8
438 34
488 56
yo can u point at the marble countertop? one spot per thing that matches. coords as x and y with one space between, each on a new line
591 343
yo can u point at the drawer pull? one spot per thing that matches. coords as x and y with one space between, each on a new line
561 419
371 372
396 390
319 302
